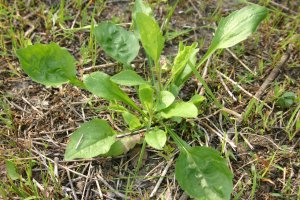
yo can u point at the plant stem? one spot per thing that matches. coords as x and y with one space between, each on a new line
182 145
151 69
138 166
208 90
143 148
158 74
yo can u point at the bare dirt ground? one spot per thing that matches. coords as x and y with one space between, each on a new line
35 122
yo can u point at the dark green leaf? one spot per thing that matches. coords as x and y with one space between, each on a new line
128 78
180 109
151 36
238 26
100 85
48 64
286 100
203 174
156 138
93 138
117 42
11 170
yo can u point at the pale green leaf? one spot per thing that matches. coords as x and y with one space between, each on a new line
185 54
48 64
146 96
123 145
100 85
120 44
197 99
238 26
180 109
151 35
203 174
11 170
132 120
93 138
128 78
140 7
156 138
166 98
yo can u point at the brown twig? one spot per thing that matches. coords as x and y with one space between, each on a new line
72 186
163 174
241 88
274 73
240 61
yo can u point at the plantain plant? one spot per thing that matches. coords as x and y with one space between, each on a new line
200 171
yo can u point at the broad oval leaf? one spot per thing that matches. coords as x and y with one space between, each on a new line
93 138
151 35
203 174
166 98
100 85
180 109
286 100
146 96
132 120
48 64
238 26
128 78
120 44
11 170
156 138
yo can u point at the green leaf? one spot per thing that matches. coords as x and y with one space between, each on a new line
123 145
11 170
180 66
166 98
298 125
100 85
238 26
151 35
128 78
120 44
146 96
197 99
231 30
132 121
156 138
286 100
93 138
140 7
117 108
180 109
203 174
48 64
